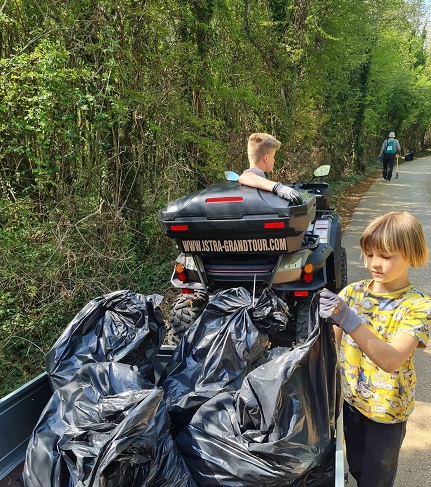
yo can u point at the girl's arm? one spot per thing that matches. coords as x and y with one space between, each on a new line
389 356
338 335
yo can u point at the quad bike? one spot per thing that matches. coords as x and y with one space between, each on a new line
232 235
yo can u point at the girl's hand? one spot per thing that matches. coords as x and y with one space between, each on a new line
332 306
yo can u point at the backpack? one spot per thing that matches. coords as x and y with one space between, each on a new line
390 147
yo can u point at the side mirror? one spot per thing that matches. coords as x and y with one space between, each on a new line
322 170
231 176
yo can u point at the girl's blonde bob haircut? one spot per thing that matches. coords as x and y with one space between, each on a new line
397 231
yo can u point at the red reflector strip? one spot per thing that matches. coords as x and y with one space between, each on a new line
300 293
187 291
238 272
273 225
227 199
179 228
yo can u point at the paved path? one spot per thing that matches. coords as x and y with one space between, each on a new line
410 192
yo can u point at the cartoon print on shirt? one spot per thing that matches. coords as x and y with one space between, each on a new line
364 391
369 303
385 315
389 304
395 404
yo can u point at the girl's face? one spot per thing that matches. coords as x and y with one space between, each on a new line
389 270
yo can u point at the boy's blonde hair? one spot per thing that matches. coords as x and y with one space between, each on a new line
397 231
259 144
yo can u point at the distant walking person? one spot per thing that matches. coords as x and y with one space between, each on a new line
390 147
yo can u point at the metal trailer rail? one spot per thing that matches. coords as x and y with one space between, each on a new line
19 413
340 477
21 409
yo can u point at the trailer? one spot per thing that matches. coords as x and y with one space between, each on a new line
21 409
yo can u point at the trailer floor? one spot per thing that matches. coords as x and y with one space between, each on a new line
12 479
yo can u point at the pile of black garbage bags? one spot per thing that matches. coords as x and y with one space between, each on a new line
227 410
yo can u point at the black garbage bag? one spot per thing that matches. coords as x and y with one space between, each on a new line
409 156
122 326
278 426
108 427
219 350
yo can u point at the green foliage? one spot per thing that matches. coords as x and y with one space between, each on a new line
38 96
55 260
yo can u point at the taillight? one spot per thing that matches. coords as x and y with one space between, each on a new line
180 272
307 275
182 276
307 278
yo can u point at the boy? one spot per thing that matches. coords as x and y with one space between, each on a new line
261 151
380 323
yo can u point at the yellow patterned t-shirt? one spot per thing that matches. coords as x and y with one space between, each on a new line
381 396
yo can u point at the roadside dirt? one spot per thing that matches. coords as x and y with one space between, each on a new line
347 203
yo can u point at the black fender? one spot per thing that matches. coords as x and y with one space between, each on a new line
334 263
339 255
335 235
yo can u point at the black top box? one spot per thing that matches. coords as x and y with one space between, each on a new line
233 218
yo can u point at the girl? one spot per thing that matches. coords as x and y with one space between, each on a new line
380 323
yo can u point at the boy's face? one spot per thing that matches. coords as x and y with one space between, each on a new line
269 160
389 271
